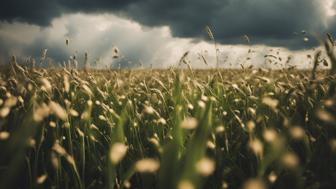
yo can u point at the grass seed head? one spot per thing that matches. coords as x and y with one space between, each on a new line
57 109
325 116
225 185
297 133
44 54
270 135
210 34
86 115
73 113
80 132
254 184
250 126
211 145
161 121
31 142
115 53
257 147
11 101
41 179
41 112
70 160
201 104
290 160
205 166
185 184
59 149
251 111
190 107
46 85
66 83
52 124
149 110
4 135
102 118
4 112
87 90
272 177
117 152
189 123
154 141
272 103
220 129
147 165
127 184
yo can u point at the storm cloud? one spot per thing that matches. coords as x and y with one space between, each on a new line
270 22
97 35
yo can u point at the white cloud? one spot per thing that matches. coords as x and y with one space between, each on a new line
99 34
329 7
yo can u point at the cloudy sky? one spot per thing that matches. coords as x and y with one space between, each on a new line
158 32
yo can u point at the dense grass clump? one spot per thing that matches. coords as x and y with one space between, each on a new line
185 129
167 129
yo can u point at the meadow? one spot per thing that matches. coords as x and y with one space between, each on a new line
177 128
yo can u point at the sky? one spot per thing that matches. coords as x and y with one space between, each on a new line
157 33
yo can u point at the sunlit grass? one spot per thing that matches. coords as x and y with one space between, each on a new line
251 128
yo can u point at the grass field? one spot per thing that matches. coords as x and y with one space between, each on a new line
185 129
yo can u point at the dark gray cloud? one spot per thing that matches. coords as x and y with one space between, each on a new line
35 12
271 22
41 12
96 34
